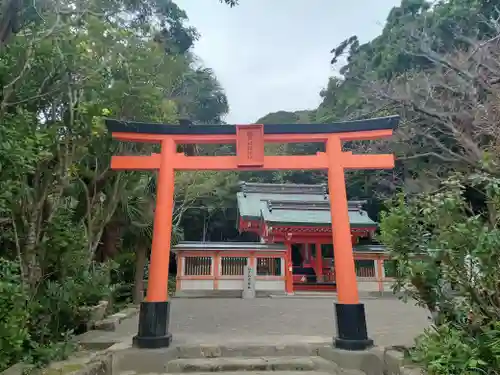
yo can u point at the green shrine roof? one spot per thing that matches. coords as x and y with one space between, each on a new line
256 246
231 246
294 204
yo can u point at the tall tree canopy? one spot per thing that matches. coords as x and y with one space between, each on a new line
420 39
63 213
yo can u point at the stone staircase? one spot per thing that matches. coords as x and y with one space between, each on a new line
257 365
231 359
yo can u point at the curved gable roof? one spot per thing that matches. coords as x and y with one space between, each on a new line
294 205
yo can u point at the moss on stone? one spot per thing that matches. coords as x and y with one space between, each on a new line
66 369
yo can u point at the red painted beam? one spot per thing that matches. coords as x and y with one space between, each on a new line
230 163
289 162
137 163
377 161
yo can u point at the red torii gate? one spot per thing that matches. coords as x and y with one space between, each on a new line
154 314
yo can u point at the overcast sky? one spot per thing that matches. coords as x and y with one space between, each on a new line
272 55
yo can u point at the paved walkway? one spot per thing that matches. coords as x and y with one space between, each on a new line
390 322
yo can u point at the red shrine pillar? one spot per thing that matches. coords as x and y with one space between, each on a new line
307 253
154 315
352 332
288 269
319 263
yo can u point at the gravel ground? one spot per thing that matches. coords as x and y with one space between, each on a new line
390 322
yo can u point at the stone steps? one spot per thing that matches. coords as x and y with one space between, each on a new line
338 372
236 364
246 349
250 358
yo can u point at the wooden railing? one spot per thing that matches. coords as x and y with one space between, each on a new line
369 268
365 272
197 266
268 266
233 266
361 272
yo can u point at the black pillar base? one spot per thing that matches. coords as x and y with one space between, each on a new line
154 320
351 327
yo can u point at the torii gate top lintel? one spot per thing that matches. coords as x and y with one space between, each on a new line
282 133
250 141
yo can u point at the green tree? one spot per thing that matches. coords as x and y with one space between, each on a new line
446 254
61 207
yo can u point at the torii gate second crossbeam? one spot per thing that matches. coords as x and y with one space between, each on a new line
250 140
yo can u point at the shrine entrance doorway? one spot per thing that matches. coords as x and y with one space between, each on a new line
153 331
297 258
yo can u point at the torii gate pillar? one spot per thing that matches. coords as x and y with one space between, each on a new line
154 314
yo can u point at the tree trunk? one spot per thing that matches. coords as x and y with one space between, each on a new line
109 243
140 263
31 271
9 20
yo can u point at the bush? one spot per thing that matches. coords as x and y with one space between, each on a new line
37 329
123 277
446 252
13 314
449 349
57 310
94 284
172 285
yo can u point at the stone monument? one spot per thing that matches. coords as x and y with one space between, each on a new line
248 283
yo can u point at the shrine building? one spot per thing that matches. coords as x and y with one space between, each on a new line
293 249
